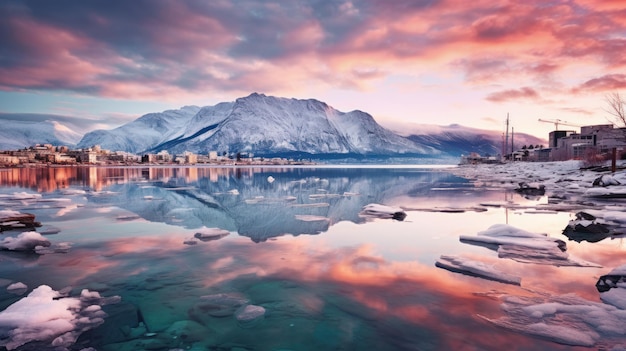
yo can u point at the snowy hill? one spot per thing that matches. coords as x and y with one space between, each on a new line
259 124
20 134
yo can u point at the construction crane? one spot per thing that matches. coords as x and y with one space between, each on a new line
557 122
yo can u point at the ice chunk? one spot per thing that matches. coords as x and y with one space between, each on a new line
476 269
26 241
249 315
18 288
524 246
504 234
605 180
46 315
383 211
208 234
615 297
565 319
608 193
612 287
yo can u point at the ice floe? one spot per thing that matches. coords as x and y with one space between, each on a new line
18 288
565 319
383 211
25 241
476 269
523 246
51 318
612 287
208 234
605 180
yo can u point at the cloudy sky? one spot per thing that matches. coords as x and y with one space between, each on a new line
101 63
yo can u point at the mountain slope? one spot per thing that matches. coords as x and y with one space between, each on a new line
21 134
142 133
456 140
269 125
273 126
259 124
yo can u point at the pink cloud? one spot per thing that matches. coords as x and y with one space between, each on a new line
180 48
605 83
513 94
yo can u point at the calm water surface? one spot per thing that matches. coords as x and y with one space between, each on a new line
328 278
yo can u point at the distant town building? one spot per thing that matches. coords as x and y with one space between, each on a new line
592 140
190 157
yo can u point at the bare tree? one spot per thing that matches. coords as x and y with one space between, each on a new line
616 108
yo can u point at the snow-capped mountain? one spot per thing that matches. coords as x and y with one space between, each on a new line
456 140
259 124
20 134
143 133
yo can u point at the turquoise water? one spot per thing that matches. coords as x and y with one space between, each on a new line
327 277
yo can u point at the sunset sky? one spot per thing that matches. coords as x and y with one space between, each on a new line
99 64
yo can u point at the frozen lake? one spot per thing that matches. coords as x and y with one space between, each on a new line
297 255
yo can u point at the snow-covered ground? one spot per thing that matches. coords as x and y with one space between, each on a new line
594 194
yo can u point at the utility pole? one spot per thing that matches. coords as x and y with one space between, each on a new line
512 144
506 142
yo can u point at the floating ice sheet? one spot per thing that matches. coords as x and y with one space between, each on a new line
524 246
26 241
476 269
383 211
565 319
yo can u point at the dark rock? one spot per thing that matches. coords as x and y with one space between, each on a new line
531 189
18 221
610 281
585 216
585 228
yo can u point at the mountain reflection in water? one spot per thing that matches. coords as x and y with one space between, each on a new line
327 277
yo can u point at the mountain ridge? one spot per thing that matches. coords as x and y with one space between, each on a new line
261 125
269 126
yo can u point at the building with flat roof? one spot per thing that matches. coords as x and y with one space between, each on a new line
594 140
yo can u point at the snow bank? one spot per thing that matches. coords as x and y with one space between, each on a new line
476 269
46 315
